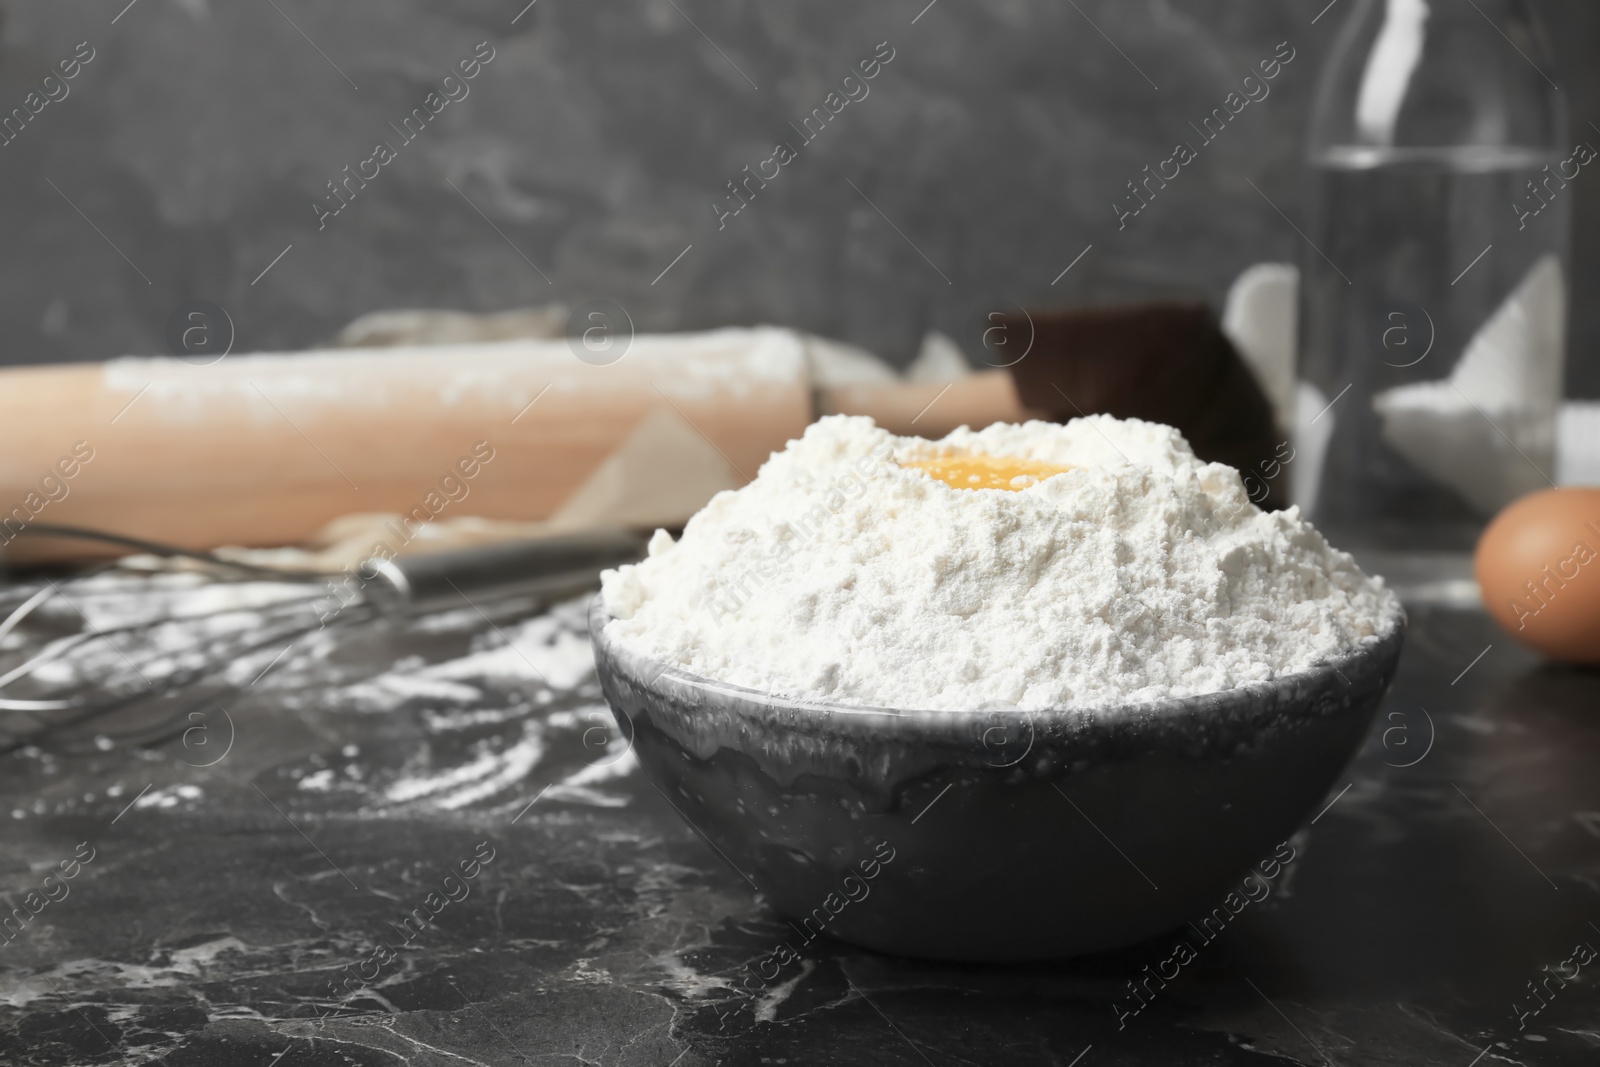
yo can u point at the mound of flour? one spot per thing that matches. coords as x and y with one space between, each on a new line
1140 573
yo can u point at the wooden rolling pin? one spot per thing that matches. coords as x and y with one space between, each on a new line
264 450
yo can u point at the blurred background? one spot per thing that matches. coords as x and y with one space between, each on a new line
590 150
377 557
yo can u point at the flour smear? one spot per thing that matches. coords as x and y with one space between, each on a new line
844 573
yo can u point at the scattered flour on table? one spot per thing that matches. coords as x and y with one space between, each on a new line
1140 573
499 711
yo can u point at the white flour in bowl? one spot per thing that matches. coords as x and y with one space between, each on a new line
845 573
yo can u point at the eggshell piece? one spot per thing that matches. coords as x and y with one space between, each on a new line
1538 566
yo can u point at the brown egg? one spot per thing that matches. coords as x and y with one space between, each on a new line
1538 565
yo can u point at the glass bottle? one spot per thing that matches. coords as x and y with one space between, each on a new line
1433 298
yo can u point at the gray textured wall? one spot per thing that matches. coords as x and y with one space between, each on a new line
198 137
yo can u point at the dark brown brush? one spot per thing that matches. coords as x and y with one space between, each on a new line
1163 362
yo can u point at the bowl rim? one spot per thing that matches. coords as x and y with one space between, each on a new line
1365 659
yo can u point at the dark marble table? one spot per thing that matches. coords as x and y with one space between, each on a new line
282 879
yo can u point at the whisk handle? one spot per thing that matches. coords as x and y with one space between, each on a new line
459 578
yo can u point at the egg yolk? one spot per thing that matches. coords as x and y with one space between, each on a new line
986 472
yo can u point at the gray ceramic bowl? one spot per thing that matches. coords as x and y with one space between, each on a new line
996 835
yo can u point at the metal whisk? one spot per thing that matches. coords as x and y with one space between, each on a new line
65 691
